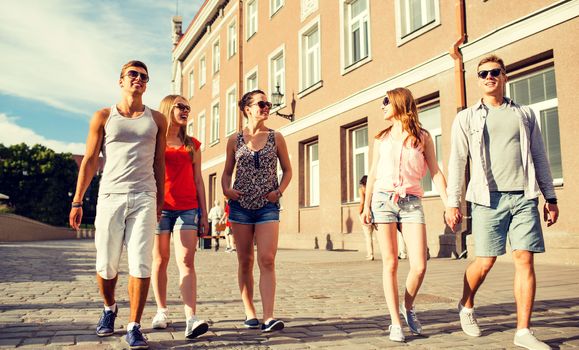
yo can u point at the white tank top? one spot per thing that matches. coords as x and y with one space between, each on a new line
129 151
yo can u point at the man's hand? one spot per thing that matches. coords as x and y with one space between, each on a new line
453 217
75 217
550 213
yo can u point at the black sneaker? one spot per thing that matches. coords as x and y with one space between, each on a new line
273 325
251 323
136 339
106 325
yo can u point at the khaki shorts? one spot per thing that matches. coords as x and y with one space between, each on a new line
128 219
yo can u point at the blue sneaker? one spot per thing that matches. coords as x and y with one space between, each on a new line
273 325
136 339
252 323
106 325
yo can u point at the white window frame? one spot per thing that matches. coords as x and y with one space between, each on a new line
251 18
231 110
313 175
191 84
434 133
307 86
272 81
400 39
202 71
249 74
345 37
540 106
190 127
355 151
216 56
201 128
272 6
232 39
214 136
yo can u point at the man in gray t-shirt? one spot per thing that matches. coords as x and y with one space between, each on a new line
509 169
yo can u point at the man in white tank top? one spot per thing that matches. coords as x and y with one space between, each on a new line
132 139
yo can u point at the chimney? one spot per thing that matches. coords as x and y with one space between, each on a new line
177 23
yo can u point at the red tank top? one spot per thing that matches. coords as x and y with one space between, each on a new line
180 190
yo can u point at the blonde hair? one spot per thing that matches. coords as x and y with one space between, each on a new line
166 107
404 108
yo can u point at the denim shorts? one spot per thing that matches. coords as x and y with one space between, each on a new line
511 216
172 220
406 210
265 214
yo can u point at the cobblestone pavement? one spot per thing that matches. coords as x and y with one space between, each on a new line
331 300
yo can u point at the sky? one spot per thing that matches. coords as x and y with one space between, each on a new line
60 62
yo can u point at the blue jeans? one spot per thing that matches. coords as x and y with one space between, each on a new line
265 214
172 220
407 209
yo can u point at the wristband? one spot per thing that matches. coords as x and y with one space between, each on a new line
551 200
76 205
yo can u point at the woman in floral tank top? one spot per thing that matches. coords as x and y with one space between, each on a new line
254 203
402 154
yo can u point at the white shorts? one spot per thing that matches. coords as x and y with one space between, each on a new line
129 219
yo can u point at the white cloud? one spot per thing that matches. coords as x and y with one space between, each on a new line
14 134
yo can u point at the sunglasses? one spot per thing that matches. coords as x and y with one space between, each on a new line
386 101
183 107
494 73
262 104
133 74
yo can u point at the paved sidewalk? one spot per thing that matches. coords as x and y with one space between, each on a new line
331 300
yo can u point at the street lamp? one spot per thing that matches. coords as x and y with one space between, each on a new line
277 98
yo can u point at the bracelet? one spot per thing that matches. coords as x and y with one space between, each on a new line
76 204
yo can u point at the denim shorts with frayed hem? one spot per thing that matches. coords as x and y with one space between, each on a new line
178 220
265 214
407 210
511 216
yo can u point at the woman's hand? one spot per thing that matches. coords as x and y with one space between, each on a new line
273 196
232 194
203 225
366 216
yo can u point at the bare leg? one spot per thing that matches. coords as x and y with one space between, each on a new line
138 290
161 255
185 242
525 285
415 237
107 289
367 229
474 276
244 240
389 248
266 236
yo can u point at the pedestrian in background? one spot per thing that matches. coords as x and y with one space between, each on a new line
229 238
184 215
254 203
367 229
402 153
215 215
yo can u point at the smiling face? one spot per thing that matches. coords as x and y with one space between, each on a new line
180 112
132 82
490 85
254 111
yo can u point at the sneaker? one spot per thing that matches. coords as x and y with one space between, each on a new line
106 325
370 258
411 319
273 325
396 333
136 339
528 341
160 321
468 322
195 328
252 323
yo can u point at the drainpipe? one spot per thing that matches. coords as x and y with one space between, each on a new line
240 85
460 87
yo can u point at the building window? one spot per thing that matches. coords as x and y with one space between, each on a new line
359 144
429 115
216 57
202 72
415 17
310 56
214 124
356 16
201 127
190 126
251 81
251 22
191 84
277 72
274 6
231 117
538 91
313 174
212 188
231 39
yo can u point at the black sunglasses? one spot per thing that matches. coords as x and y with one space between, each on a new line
183 107
494 73
133 74
262 104
386 101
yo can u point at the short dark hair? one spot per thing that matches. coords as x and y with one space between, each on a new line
492 58
363 180
133 63
247 99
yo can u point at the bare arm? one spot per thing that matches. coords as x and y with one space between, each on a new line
200 186
286 168
89 163
159 161
228 170
366 214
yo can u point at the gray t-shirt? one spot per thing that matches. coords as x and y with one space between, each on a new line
503 149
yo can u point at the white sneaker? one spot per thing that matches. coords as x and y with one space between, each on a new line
160 321
396 333
195 328
528 341
411 319
468 322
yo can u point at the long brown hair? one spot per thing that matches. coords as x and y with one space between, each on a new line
404 108
166 107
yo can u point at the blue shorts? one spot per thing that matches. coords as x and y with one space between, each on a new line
511 216
265 214
179 220
406 210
